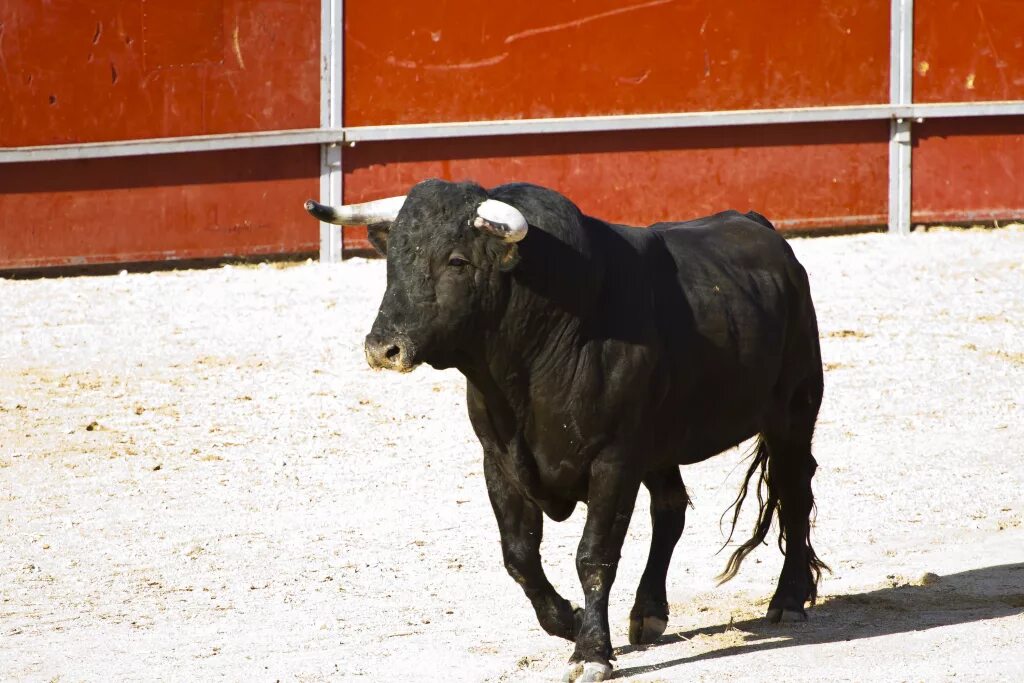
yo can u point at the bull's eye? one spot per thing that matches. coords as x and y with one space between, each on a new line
457 262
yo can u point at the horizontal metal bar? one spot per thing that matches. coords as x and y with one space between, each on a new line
947 110
584 124
581 124
196 143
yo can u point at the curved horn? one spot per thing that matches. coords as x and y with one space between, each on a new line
501 220
368 213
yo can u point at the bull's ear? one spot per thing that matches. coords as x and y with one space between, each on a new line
509 258
378 234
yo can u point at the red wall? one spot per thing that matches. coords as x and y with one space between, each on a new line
968 169
468 60
472 61
968 50
801 176
175 206
114 70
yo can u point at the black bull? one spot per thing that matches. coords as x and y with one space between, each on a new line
600 357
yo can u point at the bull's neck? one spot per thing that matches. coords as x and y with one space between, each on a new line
522 354
535 343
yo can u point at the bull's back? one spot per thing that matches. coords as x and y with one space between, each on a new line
735 272
728 289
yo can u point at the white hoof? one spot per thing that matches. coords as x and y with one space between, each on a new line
585 672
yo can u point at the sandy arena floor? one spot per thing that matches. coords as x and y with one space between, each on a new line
201 479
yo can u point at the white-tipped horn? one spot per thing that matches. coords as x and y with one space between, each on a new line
367 213
501 220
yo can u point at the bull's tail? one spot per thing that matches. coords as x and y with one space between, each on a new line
755 216
767 501
769 504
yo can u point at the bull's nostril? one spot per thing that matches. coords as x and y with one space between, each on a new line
392 352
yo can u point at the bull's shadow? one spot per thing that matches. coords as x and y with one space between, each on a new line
974 595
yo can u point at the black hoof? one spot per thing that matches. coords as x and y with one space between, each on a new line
781 615
646 630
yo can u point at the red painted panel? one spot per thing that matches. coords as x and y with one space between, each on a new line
468 60
177 206
112 70
968 169
968 50
800 176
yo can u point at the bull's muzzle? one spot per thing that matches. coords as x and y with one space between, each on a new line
388 353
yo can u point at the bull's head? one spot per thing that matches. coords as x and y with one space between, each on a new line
449 248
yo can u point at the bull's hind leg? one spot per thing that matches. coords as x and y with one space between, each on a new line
789 474
649 616
521 525
790 469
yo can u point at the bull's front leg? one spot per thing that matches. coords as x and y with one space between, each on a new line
521 524
610 500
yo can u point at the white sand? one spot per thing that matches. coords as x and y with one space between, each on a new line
200 478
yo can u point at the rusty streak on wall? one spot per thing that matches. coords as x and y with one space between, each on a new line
466 60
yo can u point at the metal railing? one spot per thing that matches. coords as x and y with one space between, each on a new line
332 136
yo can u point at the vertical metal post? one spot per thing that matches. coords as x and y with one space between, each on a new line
330 193
901 86
331 33
899 176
